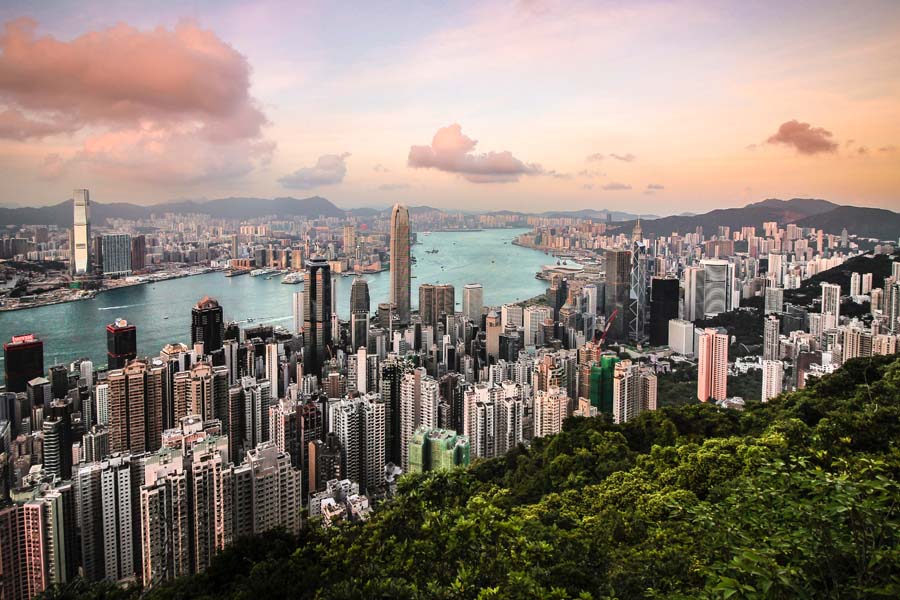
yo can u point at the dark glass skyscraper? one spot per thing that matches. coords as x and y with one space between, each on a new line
317 344
618 276
23 361
121 344
207 324
400 266
663 308
359 296
359 313
435 300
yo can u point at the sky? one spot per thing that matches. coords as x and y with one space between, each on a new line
645 106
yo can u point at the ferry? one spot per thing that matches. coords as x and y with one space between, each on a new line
293 278
258 272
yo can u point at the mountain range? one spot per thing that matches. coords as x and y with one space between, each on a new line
805 212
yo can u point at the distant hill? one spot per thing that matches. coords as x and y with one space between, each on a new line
876 223
590 213
879 265
226 208
782 211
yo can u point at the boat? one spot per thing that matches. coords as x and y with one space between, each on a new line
432 251
293 278
165 316
258 272
236 272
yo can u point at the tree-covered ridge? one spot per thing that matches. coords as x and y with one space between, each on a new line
797 498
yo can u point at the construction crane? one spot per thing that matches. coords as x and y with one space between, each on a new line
609 323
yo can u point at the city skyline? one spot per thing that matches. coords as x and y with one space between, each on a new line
507 106
571 298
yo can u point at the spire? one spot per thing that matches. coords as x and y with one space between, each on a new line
637 234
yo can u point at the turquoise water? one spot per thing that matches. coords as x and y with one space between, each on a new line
77 329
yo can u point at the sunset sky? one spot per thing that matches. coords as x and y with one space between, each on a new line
649 107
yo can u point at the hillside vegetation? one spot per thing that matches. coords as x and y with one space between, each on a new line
797 498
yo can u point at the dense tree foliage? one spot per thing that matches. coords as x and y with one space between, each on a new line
797 498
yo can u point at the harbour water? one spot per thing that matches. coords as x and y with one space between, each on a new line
162 311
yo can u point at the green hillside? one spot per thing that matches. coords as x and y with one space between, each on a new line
797 498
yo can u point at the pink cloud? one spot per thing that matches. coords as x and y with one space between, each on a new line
122 75
15 125
160 105
598 156
451 151
328 170
805 138
162 156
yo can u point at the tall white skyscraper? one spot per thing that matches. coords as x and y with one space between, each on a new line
81 233
634 391
533 318
511 314
589 292
550 409
774 301
831 304
681 336
297 305
771 338
272 368
773 378
473 302
855 284
419 398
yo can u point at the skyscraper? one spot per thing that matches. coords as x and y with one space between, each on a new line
116 250
316 316
359 425
831 304
639 282
634 391
359 296
419 397
473 302
534 317
359 313
716 297
712 364
773 379
774 301
618 275
771 338
81 233
663 308
435 300
550 410
207 324
400 265
297 309
136 406
23 361
138 253
121 344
